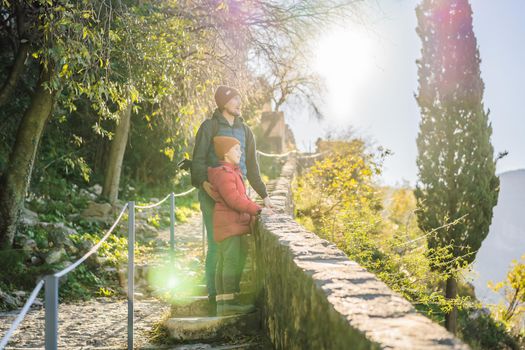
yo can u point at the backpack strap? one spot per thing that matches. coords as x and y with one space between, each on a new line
215 127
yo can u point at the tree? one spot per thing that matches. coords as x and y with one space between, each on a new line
17 29
457 181
69 51
167 50
119 60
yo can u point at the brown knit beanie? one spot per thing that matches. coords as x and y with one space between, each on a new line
223 144
223 94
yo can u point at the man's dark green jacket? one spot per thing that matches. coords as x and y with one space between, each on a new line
204 152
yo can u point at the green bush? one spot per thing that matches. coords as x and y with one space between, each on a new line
481 331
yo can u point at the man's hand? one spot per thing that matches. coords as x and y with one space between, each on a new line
267 202
210 190
184 164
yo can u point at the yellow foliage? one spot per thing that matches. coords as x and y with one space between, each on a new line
512 311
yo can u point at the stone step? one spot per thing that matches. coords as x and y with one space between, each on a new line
197 306
196 346
185 329
246 286
214 345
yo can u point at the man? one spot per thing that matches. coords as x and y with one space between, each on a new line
226 121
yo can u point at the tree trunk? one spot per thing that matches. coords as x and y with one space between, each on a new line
451 293
15 180
512 305
14 75
116 156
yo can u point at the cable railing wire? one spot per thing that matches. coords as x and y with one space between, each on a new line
277 155
154 204
315 155
94 248
185 193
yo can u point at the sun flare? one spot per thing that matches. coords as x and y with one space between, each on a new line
344 58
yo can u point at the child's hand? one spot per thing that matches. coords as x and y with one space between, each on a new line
267 211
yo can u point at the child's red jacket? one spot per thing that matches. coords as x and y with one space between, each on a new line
233 209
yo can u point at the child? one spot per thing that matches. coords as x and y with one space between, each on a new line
232 215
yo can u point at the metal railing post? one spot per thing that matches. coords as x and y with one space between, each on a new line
131 270
51 312
172 224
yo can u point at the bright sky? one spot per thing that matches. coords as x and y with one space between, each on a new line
371 78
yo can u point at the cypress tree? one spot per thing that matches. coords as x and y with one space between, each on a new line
457 187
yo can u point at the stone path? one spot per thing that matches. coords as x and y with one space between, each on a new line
99 323
102 323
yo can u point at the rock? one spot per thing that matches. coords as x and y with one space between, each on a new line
73 217
142 215
66 264
96 260
28 217
96 211
38 302
145 230
20 293
58 233
29 245
139 295
85 246
123 278
71 249
110 269
100 260
55 255
144 271
141 285
85 193
96 189
35 260
159 242
10 301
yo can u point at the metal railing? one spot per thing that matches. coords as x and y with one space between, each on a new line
51 286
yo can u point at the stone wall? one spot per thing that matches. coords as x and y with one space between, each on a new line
313 297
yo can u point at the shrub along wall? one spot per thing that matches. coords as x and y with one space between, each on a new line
313 297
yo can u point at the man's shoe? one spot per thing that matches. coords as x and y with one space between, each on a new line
212 306
229 304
